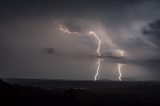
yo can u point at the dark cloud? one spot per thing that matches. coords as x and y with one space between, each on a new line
29 30
152 32
50 50
74 26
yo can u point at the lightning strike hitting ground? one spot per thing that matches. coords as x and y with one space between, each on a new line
119 71
99 42
98 67
119 66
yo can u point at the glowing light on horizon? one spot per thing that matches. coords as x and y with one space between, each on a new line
99 42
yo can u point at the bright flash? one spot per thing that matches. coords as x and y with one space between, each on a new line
120 52
64 29
99 42
94 35
119 65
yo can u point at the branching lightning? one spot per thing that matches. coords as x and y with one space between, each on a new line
99 42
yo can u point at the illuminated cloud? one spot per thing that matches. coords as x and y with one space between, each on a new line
27 28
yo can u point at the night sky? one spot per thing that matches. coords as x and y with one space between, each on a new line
52 39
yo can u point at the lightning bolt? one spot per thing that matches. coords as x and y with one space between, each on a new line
98 68
66 30
119 71
119 66
99 42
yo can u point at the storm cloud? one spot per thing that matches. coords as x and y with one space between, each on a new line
50 39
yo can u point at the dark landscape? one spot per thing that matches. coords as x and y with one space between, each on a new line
80 93
79 52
